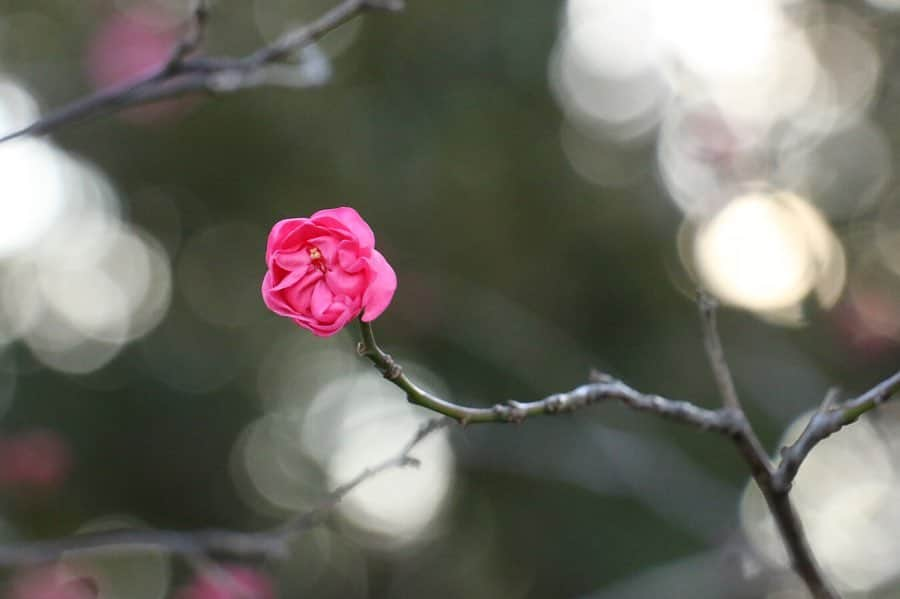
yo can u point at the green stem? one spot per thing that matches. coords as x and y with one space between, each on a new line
392 371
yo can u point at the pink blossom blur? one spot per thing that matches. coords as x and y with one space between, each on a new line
129 45
868 320
229 582
51 582
34 461
324 270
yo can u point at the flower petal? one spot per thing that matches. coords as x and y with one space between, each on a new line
349 219
273 299
348 256
279 231
296 260
344 283
382 284
321 300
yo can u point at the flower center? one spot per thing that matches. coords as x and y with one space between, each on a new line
315 256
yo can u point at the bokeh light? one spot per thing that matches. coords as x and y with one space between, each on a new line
80 282
365 420
135 572
846 494
735 96
767 252
325 430
33 188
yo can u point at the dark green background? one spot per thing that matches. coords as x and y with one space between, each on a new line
515 278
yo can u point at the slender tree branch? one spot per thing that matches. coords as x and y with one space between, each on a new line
713 345
193 38
183 73
729 421
602 388
827 420
747 440
271 543
761 469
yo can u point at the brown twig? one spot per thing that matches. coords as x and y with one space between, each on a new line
186 73
270 543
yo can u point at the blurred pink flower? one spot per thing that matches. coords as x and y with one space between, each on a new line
51 582
34 461
229 582
129 45
868 320
324 270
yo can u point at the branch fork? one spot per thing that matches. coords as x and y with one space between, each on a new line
730 420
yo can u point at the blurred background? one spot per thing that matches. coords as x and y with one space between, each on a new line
551 181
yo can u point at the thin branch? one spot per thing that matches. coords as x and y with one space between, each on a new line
827 420
761 469
271 543
713 345
183 73
729 421
402 459
193 38
603 388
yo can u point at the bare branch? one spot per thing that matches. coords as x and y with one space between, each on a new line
185 73
827 420
193 38
601 389
729 421
713 345
271 543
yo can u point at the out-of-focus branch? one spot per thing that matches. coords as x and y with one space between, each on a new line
713 344
193 38
827 420
270 543
186 73
750 447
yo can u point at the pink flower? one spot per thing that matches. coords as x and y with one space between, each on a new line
324 270
130 45
51 582
229 582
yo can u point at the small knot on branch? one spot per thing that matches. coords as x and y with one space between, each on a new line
511 411
707 303
556 403
733 420
390 369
